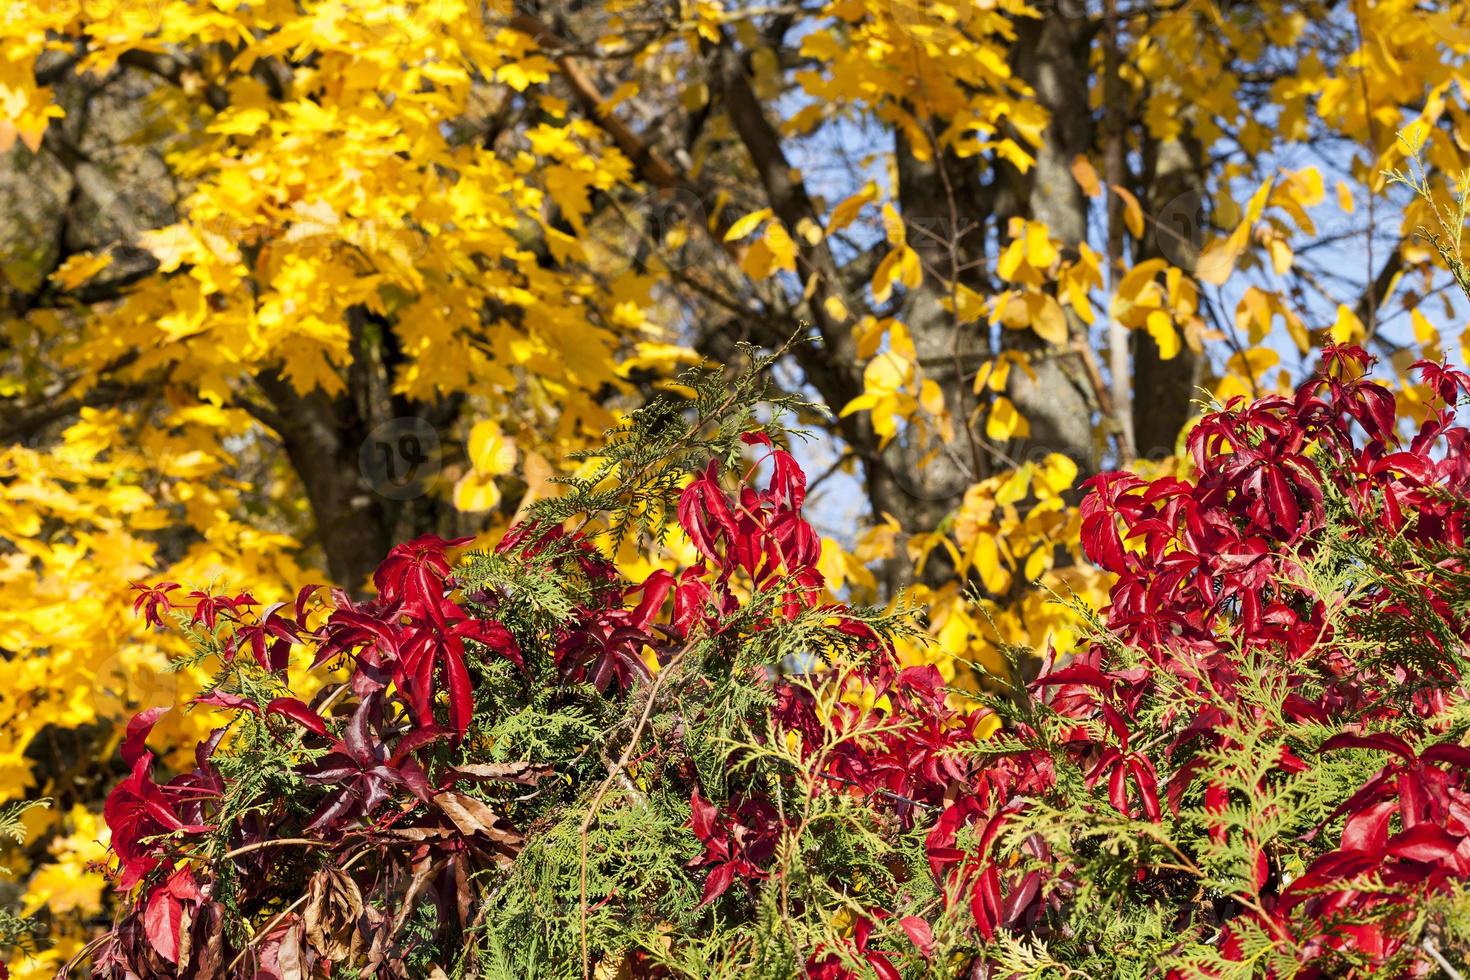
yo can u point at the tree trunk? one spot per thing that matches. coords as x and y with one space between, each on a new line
353 459
1174 193
921 478
1051 54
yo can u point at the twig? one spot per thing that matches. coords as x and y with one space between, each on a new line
886 794
65 970
828 473
282 842
1432 948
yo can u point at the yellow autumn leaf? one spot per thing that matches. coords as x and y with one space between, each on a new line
868 334
985 559
172 246
1004 422
1013 310
742 227
522 75
832 565
1011 259
79 268
1256 206
1347 328
759 261
1243 371
1161 328
1297 330
1255 313
1137 293
539 474
887 373
885 274
1055 474
846 212
1014 487
1086 176
1040 252
1132 211
993 374
1425 333
835 308
474 493
1281 256
901 265
1037 563
1136 279
1048 319
491 453
893 226
1075 285
967 305
1012 153
910 271
1217 261
879 542
781 246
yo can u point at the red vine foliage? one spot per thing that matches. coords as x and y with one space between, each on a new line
1255 769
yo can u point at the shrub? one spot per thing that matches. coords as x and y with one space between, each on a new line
17 932
524 765
1257 769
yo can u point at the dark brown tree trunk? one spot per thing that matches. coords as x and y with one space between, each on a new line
357 489
322 439
1174 195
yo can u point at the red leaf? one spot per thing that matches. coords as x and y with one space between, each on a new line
1118 788
655 589
161 919
303 595
1021 898
461 698
1380 742
1260 870
884 969
985 903
163 914
232 702
717 883
919 934
1148 786
139 727
1076 673
299 713
1424 842
702 816
1367 830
